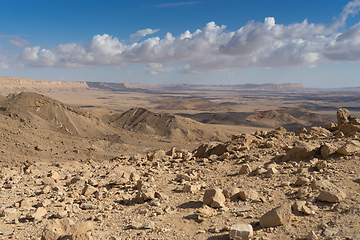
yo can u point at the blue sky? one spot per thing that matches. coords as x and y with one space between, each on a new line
316 43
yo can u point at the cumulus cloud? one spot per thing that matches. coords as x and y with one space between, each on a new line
211 48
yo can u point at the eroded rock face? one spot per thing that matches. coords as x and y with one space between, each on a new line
241 231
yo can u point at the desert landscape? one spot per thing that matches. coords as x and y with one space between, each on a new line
96 160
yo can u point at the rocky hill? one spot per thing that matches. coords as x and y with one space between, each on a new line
172 127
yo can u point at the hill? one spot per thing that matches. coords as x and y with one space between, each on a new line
172 127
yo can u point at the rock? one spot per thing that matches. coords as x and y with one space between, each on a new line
327 149
248 195
148 194
321 165
88 190
213 195
303 151
343 116
349 149
311 236
300 206
342 206
67 229
231 192
271 171
278 216
245 169
88 206
192 188
331 195
320 184
347 128
241 231
301 181
38 215
205 212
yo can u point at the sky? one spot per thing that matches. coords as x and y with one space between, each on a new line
316 43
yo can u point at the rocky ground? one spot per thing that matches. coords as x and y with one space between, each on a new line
265 185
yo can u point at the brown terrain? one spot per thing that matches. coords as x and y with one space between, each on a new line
140 161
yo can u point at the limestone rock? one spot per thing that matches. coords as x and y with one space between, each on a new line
343 116
332 195
327 149
349 149
303 151
213 195
278 216
88 190
248 195
241 231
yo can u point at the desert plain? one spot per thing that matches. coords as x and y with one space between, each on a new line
86 160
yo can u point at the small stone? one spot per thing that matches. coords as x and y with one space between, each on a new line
278 216
192 188
311 236
245 169
241 231
88 206
301 181
88 190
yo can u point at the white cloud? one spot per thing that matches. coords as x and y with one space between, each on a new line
19 42
156 68
212 48
142 33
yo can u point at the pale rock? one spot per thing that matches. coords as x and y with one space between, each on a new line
89 190
148 194
241 231
278 216
320 184
88 206
300 206
349 149
38 214
301 181
303 151
248 195
205 212
343 116
213 195
192 188
332 195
